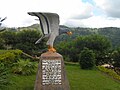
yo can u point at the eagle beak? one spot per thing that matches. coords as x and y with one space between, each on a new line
69 33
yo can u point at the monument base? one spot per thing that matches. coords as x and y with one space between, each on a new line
51 73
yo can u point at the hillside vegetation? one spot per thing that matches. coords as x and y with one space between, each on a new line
112 33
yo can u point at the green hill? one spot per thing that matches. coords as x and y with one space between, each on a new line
112 33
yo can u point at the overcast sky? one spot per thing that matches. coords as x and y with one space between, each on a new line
73 13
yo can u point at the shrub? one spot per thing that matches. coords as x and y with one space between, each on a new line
87 59
117 70
109 72
1 43
24 67
9 56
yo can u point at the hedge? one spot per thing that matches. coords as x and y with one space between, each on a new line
110 72
9 56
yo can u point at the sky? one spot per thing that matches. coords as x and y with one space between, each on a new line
73 13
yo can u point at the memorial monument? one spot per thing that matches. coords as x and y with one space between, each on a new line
51 73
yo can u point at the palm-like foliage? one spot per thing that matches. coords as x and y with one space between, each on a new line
4 75
24 67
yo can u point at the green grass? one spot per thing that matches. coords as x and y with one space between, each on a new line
78 79
89 80
21 83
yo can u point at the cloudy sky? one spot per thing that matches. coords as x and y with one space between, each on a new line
73 13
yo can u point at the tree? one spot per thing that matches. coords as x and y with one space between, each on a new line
23 39
87 59
26 41
116 57
99 44
9 38
68 50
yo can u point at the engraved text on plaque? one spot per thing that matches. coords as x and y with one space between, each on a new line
51 72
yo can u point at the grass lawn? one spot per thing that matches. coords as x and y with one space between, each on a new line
78 79
90 80
21 83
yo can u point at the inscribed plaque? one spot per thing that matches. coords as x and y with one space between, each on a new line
51 72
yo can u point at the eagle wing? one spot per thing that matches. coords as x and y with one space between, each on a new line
2 28
49 23
44 23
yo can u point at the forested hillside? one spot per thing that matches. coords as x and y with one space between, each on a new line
112 33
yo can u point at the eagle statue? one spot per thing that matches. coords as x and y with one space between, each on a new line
49 23
1 20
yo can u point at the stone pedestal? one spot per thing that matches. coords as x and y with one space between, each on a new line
51 73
